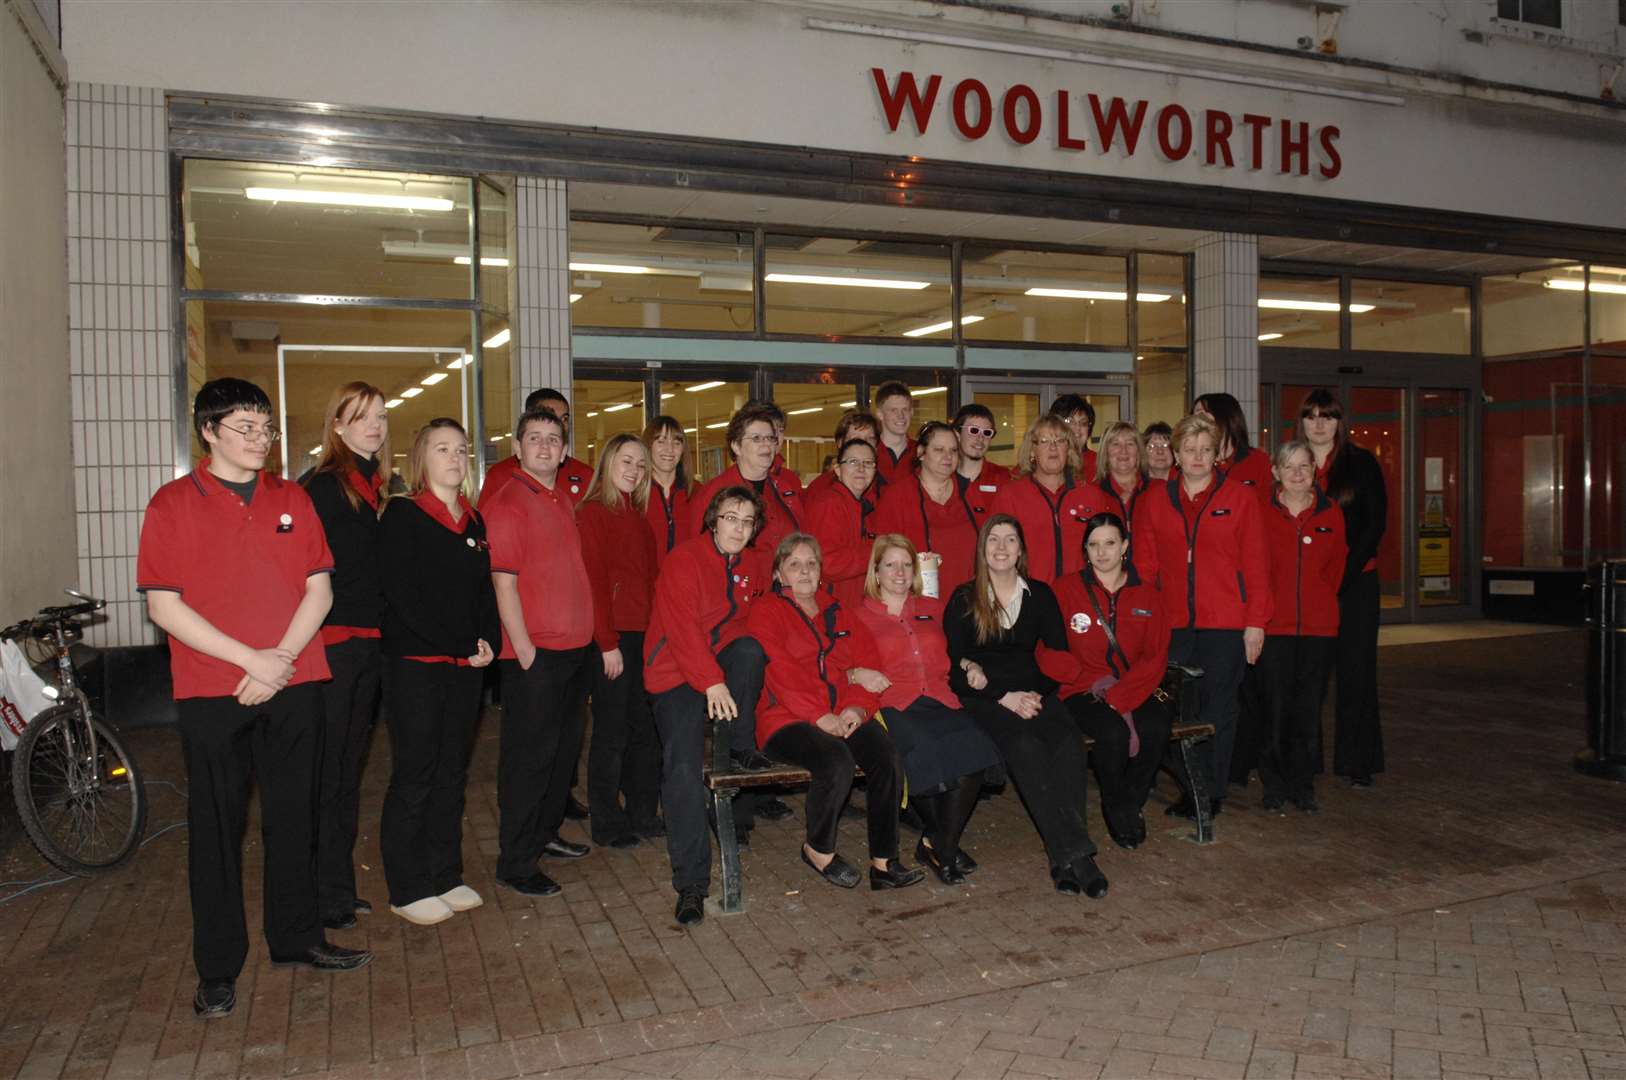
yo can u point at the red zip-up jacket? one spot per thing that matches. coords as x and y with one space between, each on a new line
1307 554
782 509
1213 568
845 528
1053 522
889 468
702 598
668 517
981 493
948 528
911 650
808 661
1252 471
1140 624
620 557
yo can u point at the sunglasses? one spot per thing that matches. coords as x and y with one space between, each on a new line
987 433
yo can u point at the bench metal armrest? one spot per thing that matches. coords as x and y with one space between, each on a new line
1186 670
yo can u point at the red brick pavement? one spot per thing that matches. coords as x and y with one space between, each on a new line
1329 945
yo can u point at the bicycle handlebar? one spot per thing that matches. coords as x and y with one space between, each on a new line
45 622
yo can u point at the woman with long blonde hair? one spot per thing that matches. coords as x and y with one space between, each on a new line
346 486
620 552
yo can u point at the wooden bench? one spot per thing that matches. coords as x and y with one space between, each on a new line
724 782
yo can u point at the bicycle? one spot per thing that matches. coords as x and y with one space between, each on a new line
77 788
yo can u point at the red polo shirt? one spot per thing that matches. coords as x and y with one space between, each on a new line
573 478
910 650
979 494
890 466
532 532
242 567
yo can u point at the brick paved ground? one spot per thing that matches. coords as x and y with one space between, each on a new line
1466 917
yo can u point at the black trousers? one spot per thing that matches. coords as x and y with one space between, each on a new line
680 717
1357 731
830 759
1045 759
624 756
1223 658
226 745
1251 725
540 740
1125 781
431 711
1293 672
350 708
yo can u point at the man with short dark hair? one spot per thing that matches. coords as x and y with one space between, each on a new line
234 567
1078 414
574 476
895 407
979 478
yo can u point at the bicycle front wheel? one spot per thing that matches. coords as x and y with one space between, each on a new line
78 791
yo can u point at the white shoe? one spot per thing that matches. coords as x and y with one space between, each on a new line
461 898
426 912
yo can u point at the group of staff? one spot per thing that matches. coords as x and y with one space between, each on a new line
918 612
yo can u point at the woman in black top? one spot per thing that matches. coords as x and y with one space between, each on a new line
440 618
995 624
345 487
1352 478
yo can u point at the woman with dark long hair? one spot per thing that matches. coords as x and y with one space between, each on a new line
668 510
347 486
1352 478
995 624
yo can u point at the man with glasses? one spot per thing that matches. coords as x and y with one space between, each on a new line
979 478
234 567
574 475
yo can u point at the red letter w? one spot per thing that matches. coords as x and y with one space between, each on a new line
892 101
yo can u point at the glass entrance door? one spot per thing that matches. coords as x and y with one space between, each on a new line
1017 402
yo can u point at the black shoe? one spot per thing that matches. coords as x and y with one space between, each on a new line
1121 827
1184 808
651 830
537 884
324 956
691 907
771 809
895 876
564 849
1137 826
574 810
964 863
622 842
363 907
752 760
342 920
1066 881
1307 804
947 873
910 819
1363 781
1273 801
215 997
1095 882
839 872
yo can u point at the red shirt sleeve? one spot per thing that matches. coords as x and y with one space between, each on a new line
318 557
592 522
505 533
161 562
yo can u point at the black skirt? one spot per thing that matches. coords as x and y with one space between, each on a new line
938 745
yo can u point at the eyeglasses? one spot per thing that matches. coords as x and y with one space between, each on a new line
758 440
1051 440
857 463
1157 446
735 519
986 433
1077 421
270 432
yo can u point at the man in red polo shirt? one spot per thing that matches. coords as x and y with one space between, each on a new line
546 606
895 407
574 476
235 567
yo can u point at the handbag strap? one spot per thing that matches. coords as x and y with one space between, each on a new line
1113 648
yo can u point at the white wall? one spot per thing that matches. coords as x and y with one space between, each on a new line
761 72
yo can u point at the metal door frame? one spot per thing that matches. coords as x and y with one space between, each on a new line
1050 387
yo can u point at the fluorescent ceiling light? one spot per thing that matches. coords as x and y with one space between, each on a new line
938 328
856 282
431 380
1269 337
714 427
1309 305
485 260
317 449
592 414
412 391
348 198
792 412
618 407
495 438
1099 294
497 340
922 392
462 361
666 395
1572 285
392 403
848 405
575 296
697 387
609 268
691 431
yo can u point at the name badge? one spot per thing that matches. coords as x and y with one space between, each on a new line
987 487
1140 611
1221 512
1323 528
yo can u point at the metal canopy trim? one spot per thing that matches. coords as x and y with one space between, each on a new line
323 135
682 350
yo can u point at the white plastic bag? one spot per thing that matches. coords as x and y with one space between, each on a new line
22 694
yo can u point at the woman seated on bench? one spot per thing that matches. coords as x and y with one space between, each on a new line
1117 652
814 716
994 625
944 753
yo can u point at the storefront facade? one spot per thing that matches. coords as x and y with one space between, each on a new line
679 207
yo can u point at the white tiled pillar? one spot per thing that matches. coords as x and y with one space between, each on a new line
119 337
1225 357
542 287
